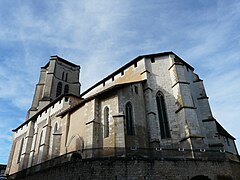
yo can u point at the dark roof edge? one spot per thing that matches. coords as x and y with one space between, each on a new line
131 63
43 109
62 60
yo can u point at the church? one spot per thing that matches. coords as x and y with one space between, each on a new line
153 107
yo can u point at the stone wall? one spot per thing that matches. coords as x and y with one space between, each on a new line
131 168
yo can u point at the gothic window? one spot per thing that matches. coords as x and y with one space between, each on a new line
129 118
20 150
162 115
63 76
66 89
59 89
106 122
66 78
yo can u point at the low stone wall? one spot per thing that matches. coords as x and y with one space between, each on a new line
131 168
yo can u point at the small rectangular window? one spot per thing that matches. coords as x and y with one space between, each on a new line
113 78
136 89
66 78
122 73
66 99
103 84
152 60
135 64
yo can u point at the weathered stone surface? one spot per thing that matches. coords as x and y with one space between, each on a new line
128 168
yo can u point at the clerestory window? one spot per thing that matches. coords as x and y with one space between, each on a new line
66 78
66 89
59 89
162 116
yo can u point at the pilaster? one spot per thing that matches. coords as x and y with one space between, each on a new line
119 130
27 148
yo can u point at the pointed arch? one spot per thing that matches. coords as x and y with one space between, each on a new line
129 118
106 122
162 116
75 143
66 89
59 89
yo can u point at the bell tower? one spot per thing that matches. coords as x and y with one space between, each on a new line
57 77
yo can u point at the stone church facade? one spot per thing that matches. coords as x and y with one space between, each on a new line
154 103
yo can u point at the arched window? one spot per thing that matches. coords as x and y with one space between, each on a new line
66 78
129 118
162 116
106 122
66 89
59 89
20 150
63 76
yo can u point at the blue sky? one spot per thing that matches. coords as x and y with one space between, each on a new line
103 35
